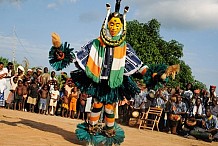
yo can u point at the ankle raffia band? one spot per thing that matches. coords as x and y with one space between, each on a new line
110 132
93 129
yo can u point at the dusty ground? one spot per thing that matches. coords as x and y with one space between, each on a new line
22 128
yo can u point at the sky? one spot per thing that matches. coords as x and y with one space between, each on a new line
26 27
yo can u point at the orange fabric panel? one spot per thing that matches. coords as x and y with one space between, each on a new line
97 105
109 106
119 52
94 118
93 67
110 120
144 71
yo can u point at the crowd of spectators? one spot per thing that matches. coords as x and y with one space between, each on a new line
39 91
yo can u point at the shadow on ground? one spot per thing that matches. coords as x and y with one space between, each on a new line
67 135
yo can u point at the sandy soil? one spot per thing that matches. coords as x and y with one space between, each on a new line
22 128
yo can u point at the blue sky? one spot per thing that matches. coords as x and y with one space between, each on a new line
26 26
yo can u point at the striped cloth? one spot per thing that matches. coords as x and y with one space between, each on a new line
124 62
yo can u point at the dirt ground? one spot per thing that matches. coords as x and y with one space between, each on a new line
19 128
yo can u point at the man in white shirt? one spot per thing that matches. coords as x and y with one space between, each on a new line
3 85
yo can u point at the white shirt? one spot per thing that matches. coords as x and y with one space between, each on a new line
3 85
54 94
3 71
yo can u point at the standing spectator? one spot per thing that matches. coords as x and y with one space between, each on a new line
10 100
52 81
214 108
28 75
11 72
39 76
20 72
188 94
18 96
204 96
43 94
3 83
65 103
82 103
33 95
73 100
196 95
69 86
161 101
211 96
53 101
45 77
122 110
88 107
25 94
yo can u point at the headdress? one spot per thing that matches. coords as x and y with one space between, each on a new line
103 34
197 91
212 87
30 70
21 68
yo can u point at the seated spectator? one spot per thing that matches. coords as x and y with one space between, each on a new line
211 124
198 109
209 130
178 114
214 108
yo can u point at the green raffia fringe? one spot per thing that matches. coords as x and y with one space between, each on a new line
100 138
102 91
83 135
117 139
60 64
154 68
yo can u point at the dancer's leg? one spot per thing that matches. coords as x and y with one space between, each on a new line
95 113
109 119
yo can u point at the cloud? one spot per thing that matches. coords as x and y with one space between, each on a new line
182 14
52 5
16 3
55 4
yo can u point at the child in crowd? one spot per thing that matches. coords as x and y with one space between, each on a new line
82 99
25 94
73 100
43 94
53 101
65 103
33 95
18 96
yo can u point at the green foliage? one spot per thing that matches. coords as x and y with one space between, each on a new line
152 49
61 79
4 60
199 85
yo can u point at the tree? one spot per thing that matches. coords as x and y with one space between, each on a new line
4 60
152 49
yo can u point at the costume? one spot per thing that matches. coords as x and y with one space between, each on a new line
105 66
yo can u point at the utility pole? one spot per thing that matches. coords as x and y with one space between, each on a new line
14 47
